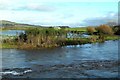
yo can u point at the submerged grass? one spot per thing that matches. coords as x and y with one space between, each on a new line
8 46
67 41
112 37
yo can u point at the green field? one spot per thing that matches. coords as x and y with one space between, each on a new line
81 29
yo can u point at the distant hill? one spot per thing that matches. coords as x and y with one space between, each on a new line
5 23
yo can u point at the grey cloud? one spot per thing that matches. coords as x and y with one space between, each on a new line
110 17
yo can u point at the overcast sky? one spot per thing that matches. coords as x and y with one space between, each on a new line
72 13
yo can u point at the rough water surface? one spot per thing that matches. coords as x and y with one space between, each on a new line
99 60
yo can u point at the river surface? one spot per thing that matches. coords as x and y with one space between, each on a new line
17 32
11 32
98 60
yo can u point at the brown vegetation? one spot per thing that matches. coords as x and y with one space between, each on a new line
105 29
91 30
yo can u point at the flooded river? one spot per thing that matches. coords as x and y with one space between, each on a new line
99 60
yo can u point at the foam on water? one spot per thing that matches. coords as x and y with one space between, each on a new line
15 72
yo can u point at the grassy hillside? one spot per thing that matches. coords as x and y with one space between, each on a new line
8 25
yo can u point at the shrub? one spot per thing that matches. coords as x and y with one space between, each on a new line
104 29
90 30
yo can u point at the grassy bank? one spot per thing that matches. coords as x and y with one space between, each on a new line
92 39
7 46
67 41
53 37
112 38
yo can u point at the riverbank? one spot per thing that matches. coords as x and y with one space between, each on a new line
92 39
67 41
7 46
